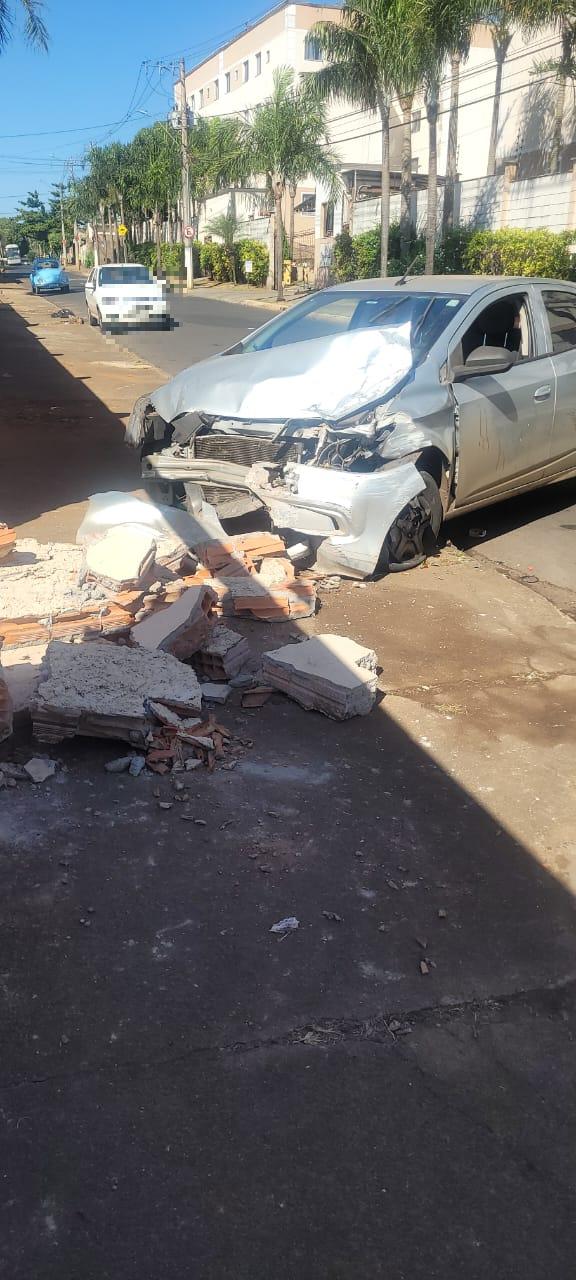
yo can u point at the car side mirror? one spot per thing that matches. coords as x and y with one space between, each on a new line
483 362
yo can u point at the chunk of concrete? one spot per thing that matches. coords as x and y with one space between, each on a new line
212 692
39 770
181 628
103 690
122 557
327 673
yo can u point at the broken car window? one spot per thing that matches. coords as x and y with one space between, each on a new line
327 315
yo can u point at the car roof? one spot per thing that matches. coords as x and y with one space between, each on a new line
461 285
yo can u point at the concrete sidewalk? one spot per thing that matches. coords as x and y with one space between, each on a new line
388 1091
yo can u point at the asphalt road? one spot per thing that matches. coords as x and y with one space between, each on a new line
202 326
531 537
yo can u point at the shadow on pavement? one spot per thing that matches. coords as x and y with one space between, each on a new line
388 1091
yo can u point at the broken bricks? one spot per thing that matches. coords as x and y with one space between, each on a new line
181 628
326 673
100 689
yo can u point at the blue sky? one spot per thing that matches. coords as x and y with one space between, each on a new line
93 76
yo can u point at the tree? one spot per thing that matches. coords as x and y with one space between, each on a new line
530 16
225 226
286 137
156 176
35 30
501 41
363 54
453 25
35 222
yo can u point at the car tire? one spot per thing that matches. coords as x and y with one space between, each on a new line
65 288
414 533
104 327
166 322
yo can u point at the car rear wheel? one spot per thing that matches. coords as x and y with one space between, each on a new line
414 534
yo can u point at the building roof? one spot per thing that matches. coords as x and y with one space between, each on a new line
256 22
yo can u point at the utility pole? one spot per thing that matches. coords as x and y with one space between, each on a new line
62 222
186 212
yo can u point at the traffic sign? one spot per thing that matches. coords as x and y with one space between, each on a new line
122 230
189 233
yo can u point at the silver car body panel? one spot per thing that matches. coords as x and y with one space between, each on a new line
489 437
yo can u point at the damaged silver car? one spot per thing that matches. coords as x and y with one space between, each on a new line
368 413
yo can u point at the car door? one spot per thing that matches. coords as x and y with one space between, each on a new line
89 289
504 420
560 314
91 293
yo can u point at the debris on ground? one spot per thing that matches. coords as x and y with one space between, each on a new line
288 925
6 708
39 769
257 695
101 690
7 540
212 692
181 628
122 557
223 655
326 673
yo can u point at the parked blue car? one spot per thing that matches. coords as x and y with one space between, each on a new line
47 276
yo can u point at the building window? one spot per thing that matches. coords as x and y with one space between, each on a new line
416 121
267 55
245 70
208 93
312 50
216 90
227 81
192 103
328 218
258 63
236 74
201 98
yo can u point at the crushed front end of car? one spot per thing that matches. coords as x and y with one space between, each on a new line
337 466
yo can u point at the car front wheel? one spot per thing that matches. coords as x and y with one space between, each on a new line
414 534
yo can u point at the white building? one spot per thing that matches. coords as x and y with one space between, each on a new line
238 76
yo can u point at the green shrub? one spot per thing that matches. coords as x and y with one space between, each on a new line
172 257
257 253
89 260
514 252
216 262
450 255
344 256
358 257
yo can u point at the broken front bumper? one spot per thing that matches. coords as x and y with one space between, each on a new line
349 512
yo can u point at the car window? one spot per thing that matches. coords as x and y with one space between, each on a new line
328 315
504 323
124 275
561 312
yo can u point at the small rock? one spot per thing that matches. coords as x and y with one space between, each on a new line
191 764
164 804
216 692
14 771
40 770
332 915
201 822
424 967
442 914
287 925
120 765
137 764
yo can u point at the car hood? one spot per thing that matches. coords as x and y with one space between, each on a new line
323 378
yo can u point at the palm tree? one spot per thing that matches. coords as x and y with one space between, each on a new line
225 226
35 30
531 15
501 41
286 138
454 22
364 53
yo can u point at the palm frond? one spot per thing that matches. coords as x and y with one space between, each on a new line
35 28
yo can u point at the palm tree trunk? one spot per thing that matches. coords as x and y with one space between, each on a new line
279 240
158 229
292 194
452 152
384 108
406 175
501 47
563 72
432 210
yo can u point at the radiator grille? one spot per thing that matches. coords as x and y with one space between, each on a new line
246 450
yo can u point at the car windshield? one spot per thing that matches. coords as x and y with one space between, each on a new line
325 315
47 262
124 275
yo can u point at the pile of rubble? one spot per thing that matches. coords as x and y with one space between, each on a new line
135 645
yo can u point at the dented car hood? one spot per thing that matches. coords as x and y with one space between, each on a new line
322 378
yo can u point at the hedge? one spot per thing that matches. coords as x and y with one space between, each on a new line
216 261
172 257
509 252
513 252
